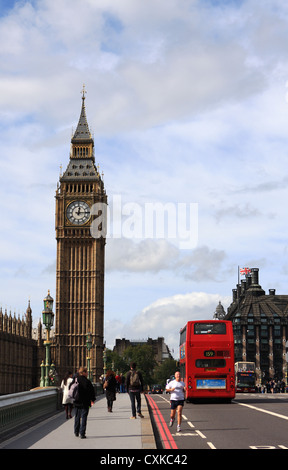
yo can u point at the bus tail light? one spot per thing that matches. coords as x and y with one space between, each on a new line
190 382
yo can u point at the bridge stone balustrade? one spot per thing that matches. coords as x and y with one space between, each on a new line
19 410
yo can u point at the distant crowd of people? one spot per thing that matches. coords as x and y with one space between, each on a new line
272 386
120 382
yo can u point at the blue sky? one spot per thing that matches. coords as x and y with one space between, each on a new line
187 101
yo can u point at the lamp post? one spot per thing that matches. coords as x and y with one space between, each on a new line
48 320
89 346
104 361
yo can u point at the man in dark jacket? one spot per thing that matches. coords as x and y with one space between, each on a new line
84 401
134 386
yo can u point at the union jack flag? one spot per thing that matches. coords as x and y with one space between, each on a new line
245 271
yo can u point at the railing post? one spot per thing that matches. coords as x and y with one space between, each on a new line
42 380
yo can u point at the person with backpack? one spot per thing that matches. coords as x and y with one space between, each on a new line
84 396
134 386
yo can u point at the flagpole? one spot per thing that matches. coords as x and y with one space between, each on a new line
238 290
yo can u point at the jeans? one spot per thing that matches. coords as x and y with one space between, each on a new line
80 421
135 396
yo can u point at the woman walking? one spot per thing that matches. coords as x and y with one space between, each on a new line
110 385
66 401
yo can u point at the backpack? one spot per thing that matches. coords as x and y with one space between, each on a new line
74 390
134 379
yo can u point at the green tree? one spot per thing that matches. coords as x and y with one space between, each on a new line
116 362
163 371
143 356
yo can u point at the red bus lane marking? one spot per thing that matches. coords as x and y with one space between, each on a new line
166 436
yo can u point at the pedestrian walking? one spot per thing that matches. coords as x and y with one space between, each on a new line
85 399
66 400
134 386
118 382
177 389
110 386
122 385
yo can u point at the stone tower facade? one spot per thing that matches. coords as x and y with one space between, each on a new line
20 353
80 259
260 325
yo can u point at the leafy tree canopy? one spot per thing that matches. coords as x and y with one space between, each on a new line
143 356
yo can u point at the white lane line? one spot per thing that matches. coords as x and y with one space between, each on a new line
199 433
211 445
264 411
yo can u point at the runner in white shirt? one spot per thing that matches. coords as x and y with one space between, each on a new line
177 389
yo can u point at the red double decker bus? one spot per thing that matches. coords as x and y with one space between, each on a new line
207 359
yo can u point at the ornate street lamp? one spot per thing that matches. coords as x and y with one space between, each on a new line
48 320
104 360
89 346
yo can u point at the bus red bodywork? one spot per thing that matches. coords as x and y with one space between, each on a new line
207 359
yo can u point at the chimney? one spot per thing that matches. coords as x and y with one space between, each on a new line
272 291
254 276
243 286
254 288
238 291
248 280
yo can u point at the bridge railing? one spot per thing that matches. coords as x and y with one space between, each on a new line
18 410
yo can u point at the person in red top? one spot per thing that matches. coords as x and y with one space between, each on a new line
118 380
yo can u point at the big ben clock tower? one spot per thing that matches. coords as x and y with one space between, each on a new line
80 259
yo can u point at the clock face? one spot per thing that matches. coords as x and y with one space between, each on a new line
78 212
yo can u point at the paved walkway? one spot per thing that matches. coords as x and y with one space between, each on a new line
104 430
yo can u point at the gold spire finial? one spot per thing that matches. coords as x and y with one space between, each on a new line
83 92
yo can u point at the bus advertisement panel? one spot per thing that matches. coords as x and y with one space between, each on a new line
207 359
245 377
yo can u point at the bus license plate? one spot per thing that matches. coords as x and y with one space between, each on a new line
211 384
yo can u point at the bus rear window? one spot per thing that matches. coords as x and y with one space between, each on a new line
210 329
206 363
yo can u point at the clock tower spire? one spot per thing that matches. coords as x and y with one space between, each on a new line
80 258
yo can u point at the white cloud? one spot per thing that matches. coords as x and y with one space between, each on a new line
189 64
165 317
153 256
146 255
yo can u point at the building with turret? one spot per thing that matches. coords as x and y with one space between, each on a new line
20 352
260 322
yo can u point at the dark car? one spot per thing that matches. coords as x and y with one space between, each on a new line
157 389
